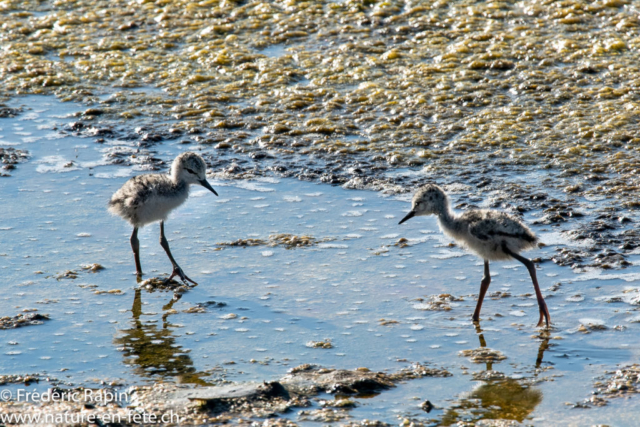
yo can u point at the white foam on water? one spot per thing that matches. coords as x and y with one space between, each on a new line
251 186
448 254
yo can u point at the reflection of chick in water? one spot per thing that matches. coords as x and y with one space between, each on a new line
154 351
505 399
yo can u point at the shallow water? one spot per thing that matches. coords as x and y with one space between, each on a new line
276 300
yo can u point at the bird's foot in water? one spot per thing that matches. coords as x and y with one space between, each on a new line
545 317
177 271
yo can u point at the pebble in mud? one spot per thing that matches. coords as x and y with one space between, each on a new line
92 268
195 309
591 327
69 274
326 344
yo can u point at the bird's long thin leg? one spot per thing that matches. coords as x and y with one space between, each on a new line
484 285
177 271
135 245
544 311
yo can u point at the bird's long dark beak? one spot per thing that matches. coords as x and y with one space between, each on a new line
206 185
409 216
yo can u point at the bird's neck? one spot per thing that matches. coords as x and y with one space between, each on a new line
179 184
178 176
447 218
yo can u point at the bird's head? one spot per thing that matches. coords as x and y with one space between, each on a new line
190 167
428 200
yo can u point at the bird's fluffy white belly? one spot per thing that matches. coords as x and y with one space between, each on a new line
158 208
489 251
492 251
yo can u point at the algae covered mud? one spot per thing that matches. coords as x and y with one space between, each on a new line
531 107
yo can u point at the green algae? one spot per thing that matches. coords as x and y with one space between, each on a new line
542 84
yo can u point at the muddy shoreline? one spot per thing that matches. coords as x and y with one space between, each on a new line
603 235
310 392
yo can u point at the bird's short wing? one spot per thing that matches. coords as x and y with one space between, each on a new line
133 193
492 225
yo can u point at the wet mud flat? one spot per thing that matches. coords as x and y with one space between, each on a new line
603 235
292 273
238 403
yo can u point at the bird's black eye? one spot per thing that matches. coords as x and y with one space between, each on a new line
191 171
